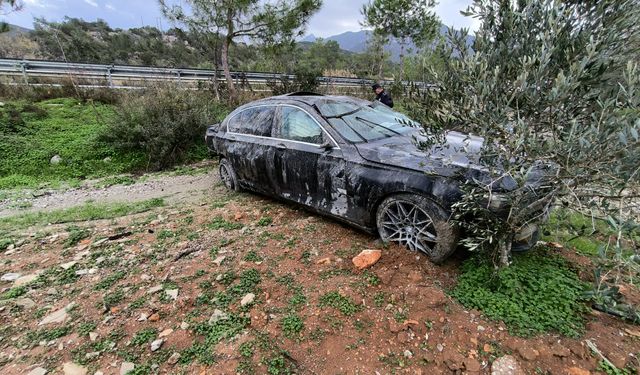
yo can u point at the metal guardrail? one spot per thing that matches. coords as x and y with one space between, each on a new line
129 77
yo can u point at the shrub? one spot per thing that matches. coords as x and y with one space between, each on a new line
537 293
165 123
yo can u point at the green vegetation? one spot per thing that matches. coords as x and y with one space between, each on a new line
76 234
31 134
265 221
537 293
109 280
144 336
340 302
219 222
14 292
88 211
292 325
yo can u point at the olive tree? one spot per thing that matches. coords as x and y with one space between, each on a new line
267 22
546 83
405 20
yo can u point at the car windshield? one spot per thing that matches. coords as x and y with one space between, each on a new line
365 123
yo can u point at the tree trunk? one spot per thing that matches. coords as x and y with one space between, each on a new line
225 67
401 76
505 251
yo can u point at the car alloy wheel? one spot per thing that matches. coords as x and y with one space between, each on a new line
419 224
227 175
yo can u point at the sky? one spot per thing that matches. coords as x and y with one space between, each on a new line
335 16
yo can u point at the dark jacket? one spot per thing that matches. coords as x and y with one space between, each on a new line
385 99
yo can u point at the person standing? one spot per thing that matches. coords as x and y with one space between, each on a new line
382 95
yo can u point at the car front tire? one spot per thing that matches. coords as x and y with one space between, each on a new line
418 223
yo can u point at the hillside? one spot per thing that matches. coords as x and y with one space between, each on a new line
14 30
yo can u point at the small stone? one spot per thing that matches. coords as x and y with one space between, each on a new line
326 260
453 360
481 328
472 365
175 357
166 332
25 303
24 280
107 159
12 276
218 261
92 355
366 258
172 293
93 336
143 317
52 291
247 299
58 316
408 354
440 347
98 373
154 317
38 371
70 368
126 367
487 348
66 266
560 351
155 345
506 365
154 289
217 316
184 325
55 160
528 353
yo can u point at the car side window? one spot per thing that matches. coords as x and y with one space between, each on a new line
297 125
253 121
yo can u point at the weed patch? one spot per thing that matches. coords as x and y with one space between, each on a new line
340 302
537 293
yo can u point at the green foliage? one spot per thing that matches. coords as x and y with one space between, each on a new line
108 281
265 221
212 333
339 302
14 292
144 336
252 256
537 293
49 334
31 134
219 222
76 234
88 211
292 325
164 123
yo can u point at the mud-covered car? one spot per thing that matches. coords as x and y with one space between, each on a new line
356 161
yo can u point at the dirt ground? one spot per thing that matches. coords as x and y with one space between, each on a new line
276 285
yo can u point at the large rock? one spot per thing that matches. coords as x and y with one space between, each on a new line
366 258
70 368
126 367
12 276
247 299
55 160
506 365
57 316
38 371
24 280
217 316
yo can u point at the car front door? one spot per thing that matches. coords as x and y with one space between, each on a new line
308 165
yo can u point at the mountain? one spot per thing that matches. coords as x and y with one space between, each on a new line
356 41
15 30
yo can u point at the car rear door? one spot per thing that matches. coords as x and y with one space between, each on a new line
308 166
249 144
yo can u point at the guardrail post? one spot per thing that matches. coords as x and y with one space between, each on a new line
109 78
23 67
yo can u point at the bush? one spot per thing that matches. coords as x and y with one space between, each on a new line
165 123
537 293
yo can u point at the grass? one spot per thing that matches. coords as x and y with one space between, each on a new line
88 211
538 293
32 133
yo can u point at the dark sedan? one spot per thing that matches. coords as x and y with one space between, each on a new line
354 160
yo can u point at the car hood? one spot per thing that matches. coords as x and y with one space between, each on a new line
458 151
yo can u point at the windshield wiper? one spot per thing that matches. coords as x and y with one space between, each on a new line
344 114
374 124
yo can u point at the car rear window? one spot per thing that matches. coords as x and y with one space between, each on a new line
253 121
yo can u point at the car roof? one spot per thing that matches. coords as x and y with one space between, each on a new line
309 98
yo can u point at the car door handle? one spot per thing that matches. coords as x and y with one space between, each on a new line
281 146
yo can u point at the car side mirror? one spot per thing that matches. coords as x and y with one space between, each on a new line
326 146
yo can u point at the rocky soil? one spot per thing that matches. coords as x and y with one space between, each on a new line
223 283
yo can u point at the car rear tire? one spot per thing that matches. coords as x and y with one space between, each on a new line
228 175
418 223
